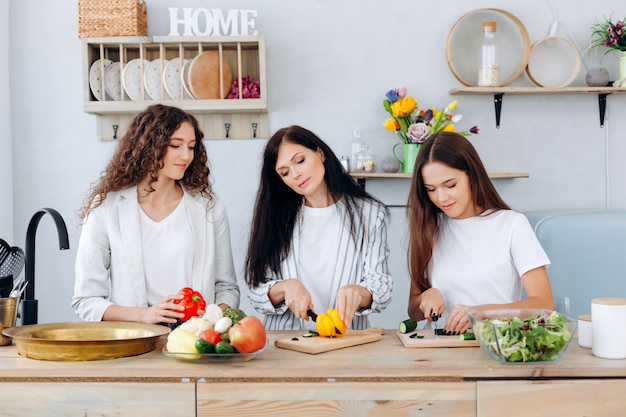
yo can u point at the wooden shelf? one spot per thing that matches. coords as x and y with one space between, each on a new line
498 93
492 175
220 118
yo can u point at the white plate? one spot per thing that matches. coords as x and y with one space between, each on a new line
95 77
185 80
112 79
152 78
131 78
172 79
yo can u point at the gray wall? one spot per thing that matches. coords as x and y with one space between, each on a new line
329 64
6 176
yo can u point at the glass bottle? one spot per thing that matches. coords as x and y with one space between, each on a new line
365 160
489 71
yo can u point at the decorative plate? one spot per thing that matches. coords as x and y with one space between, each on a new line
95 76
112 81
131 78
214 357
184 79
204 76
152 78
172 79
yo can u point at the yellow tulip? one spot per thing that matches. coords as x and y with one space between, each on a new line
449 128
452 105
391 125
403 107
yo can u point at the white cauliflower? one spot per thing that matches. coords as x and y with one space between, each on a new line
213 313
196 325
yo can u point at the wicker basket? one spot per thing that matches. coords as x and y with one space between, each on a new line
101 18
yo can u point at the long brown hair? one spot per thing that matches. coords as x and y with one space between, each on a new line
455 151
140 152
277 206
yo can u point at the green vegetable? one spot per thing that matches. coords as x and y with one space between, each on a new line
225 338
407 326
467 336
536 338
235 314
416 336
224 348
311 333
204 346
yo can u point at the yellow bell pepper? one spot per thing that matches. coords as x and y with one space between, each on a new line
328 323
182 341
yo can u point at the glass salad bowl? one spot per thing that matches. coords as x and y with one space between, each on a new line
517 336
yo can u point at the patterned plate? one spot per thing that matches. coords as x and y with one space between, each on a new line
172 79
95 77
152 78
131 78
112 84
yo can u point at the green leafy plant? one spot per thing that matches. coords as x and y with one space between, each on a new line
609 34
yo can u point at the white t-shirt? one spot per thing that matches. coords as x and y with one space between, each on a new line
480 260
319 248
167 252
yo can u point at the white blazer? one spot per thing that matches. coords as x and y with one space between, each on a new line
364 264
109 262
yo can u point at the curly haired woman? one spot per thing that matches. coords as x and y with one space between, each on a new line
152 225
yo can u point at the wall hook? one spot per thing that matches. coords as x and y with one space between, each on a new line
254 127
227 127
115 127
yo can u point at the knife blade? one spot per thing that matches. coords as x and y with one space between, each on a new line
313 316
434 316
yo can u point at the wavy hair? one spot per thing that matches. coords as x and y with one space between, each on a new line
277 206
140 152
455 151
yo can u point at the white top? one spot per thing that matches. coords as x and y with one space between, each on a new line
167 252
480 260
319 240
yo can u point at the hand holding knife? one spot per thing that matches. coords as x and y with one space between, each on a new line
313 316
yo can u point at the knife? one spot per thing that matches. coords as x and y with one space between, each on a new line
434 316
313 316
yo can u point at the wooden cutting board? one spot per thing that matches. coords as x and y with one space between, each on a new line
430 340
204 76
318 344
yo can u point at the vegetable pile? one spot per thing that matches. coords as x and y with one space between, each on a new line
206 334
536 338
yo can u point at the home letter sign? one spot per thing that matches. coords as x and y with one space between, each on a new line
205 22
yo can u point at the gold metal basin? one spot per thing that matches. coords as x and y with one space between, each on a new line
85 341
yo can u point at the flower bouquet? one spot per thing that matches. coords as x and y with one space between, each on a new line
415 125
250 88
613 36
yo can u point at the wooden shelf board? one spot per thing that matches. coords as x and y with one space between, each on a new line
493 175
535 90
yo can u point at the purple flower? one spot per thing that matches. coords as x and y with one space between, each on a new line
392 96
474 130
417 132
428 115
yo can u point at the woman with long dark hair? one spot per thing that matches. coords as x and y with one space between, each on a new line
467 248
317 241
152 225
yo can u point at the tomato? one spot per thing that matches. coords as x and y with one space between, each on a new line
210 335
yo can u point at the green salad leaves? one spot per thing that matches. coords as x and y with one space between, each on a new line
536 338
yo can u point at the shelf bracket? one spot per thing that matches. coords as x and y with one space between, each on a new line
602 107
497 101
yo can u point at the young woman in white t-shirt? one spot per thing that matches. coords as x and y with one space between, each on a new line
317 241
468 250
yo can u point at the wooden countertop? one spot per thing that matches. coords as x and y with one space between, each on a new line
384 361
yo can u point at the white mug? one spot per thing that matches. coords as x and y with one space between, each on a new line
585 331
609 327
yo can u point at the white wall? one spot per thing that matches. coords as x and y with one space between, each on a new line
329 65
6 175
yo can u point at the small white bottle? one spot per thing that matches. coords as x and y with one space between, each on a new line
345 163
489 71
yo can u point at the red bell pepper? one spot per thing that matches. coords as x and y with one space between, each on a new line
192 301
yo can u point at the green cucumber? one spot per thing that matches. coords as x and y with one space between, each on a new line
224 348
311 333
416 336
407 326
204 346
467 336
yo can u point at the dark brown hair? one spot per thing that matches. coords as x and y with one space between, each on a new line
455 151
140 152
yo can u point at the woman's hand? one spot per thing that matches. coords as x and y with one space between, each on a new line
349 298
294 294
458 322
432 304
164 311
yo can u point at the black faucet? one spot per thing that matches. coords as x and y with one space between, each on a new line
29 304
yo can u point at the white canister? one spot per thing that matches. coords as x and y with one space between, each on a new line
585 335
609 327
